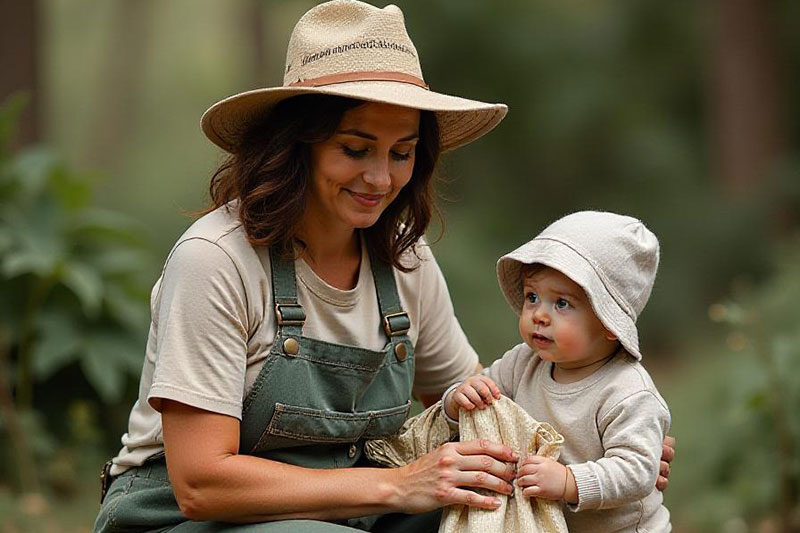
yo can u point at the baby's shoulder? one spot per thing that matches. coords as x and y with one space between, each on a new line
631 382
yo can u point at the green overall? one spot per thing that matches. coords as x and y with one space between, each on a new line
313 404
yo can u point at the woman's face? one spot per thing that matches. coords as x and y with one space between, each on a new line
363 166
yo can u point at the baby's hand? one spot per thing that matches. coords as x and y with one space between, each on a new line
476 391
542 477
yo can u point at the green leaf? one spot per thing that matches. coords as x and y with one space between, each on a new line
86 284
33 168
101 371
6 239
118 260
58 345
107 226
130 312
757 401
22 262
109 356
10 110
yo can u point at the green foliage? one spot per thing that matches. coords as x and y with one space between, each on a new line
737 413
69 274
71 297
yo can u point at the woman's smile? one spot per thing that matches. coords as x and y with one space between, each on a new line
367 200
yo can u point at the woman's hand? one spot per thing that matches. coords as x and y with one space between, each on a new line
667 455
436 479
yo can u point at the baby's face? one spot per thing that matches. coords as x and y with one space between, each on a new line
558 323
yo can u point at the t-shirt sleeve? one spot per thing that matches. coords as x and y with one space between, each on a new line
443 354
202 330
632 433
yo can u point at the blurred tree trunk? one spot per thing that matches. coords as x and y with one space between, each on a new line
254 14
18 60
19 64
748 138
120 89
746 100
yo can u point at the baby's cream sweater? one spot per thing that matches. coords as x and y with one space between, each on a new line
613 422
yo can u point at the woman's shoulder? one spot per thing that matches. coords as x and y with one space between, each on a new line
215 225
214 240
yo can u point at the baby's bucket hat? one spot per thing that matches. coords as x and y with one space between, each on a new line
353 49
613 257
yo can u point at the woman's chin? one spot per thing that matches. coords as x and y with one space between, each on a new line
363 220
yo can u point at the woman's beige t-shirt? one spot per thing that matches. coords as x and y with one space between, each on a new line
213 325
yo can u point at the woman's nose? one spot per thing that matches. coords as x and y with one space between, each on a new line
377 174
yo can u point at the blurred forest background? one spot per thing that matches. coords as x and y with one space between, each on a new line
682 113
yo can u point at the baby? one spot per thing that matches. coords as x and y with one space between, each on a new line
578 288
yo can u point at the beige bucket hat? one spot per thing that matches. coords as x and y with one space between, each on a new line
352 49
614 258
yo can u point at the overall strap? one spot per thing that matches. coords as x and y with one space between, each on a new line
288 311
395 321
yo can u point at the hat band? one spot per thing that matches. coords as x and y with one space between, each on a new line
367 75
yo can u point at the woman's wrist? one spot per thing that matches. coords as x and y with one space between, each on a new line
389 489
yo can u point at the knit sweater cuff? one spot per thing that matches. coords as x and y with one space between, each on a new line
589 494
451 422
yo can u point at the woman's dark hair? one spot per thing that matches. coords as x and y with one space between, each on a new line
270 174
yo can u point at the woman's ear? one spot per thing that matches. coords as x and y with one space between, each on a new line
610 336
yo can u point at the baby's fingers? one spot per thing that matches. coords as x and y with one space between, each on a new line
487 389
495 390
462 401
472 395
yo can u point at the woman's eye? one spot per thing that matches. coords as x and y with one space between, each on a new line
402 156
532 297
355 154
561 303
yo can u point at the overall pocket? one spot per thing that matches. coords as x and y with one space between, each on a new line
291 425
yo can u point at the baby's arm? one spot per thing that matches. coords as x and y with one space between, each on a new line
632 433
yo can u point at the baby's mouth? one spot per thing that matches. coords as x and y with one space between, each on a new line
541 340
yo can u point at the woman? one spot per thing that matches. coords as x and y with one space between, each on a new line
292 320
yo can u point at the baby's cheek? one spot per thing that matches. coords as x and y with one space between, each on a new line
571 342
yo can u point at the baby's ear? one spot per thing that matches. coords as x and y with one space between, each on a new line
610 336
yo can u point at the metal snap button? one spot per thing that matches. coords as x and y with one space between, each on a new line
352 451
401 351
291 346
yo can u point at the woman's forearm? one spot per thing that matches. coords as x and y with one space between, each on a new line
242 488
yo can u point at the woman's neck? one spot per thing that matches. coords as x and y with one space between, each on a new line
334 254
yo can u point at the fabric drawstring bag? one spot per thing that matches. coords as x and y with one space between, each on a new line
503 421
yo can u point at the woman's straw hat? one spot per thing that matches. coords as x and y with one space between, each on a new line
352 49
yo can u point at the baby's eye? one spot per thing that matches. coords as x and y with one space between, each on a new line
561 303
532 297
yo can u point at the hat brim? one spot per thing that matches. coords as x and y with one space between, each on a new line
461 121
558 256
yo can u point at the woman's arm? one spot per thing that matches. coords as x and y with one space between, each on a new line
213 482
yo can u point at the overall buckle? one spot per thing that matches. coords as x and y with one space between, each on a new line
290 314
396 324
